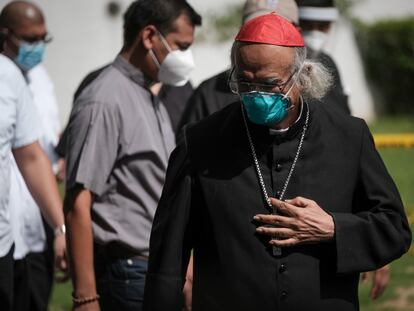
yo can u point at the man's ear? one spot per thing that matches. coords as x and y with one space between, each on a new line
147 35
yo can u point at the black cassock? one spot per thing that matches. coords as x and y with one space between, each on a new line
212 193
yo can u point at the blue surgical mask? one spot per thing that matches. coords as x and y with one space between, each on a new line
30 55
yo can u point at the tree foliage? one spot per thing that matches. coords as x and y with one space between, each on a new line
387 49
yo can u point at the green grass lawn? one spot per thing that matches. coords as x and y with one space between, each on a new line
399 295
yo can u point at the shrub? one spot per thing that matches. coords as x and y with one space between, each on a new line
387 49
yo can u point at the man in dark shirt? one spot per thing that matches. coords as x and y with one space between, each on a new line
284 200
315 20
214 93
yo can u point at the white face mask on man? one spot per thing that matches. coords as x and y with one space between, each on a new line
176 68
315 39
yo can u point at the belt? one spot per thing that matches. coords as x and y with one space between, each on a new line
114 251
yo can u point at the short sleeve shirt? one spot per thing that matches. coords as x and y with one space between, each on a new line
119 141
44 99
28 230
19 127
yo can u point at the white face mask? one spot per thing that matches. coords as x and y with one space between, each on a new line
176 68
315 39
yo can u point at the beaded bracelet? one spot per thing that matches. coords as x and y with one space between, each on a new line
85 300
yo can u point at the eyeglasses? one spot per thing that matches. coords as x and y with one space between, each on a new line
46 38
239 86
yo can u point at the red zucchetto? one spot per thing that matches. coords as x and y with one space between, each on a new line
270 29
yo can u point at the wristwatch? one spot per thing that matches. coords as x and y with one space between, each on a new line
59 230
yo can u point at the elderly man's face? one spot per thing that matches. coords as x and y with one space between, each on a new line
266 64
269 69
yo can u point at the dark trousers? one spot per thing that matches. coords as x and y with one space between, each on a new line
21 293
6 281
33 278
41 270
120 282
41 280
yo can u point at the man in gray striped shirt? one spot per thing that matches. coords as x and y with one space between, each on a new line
119 141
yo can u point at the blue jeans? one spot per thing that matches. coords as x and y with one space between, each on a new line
120 283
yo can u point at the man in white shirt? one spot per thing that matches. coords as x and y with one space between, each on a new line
33 258
20 129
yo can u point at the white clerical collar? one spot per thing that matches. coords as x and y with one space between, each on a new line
280 131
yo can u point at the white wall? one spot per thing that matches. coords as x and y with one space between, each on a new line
85 37
343 48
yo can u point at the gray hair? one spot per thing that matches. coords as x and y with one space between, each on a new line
314 79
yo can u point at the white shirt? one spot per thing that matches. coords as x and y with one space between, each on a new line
45 101
18 128
28 230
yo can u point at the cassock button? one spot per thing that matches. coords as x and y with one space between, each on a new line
284 295
282 268
277 167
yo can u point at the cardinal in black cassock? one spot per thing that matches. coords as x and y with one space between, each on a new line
283 200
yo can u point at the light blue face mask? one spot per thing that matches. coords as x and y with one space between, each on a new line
30 55
265 108
268 108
